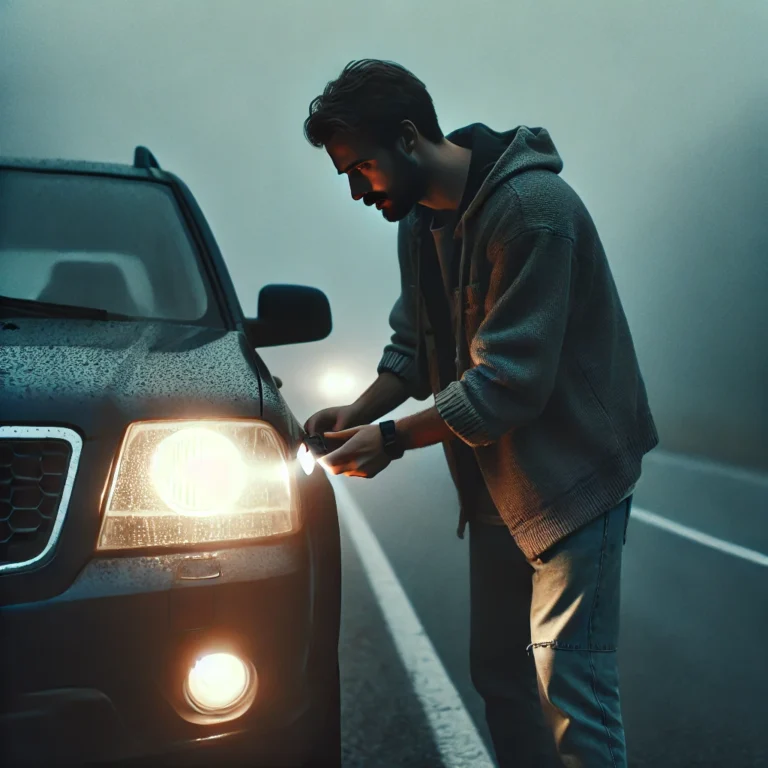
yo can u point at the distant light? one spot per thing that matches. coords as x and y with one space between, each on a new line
337 384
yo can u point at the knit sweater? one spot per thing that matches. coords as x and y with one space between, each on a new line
547 388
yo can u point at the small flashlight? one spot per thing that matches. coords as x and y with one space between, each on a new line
316 444
310 451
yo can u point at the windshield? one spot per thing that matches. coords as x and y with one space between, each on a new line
98 242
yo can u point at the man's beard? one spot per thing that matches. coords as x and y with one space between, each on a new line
395 212
408 193
398 205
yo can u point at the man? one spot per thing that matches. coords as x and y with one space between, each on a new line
510 317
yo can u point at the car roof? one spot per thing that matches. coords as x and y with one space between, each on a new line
145 166
74 166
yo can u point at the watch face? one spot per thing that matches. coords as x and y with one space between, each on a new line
392 446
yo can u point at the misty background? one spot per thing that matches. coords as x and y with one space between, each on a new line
659 110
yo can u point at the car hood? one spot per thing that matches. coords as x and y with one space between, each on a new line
99 376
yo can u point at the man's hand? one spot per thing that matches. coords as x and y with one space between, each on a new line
383 396
357 452
332 420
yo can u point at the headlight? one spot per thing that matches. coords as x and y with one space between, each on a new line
195 482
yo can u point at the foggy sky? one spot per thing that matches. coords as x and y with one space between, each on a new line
660 111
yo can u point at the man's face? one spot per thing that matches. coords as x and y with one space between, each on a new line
390 179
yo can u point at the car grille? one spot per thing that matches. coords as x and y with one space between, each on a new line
33 479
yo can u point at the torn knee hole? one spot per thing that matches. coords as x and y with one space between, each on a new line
549 644
558 646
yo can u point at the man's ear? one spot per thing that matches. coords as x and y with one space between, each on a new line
409 136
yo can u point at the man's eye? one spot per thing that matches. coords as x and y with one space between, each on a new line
364 167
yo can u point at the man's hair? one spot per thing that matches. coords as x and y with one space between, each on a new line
372 98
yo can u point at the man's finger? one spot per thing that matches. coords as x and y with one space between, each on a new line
338 469
339 461
328 468
335 440
356 473
342 436
339 456
333 444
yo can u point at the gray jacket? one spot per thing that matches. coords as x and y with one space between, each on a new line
548 391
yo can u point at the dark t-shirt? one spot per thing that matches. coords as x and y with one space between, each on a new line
486 150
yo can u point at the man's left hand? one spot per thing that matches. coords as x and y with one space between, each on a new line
356 452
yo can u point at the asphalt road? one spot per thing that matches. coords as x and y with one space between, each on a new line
693 654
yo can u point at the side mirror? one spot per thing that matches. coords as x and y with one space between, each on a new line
289 314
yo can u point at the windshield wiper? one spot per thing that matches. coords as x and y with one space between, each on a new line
11 307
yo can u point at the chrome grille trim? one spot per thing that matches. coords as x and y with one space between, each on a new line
76 444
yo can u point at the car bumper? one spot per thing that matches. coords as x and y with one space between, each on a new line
97 673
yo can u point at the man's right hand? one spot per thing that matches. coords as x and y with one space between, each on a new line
335 419
384 395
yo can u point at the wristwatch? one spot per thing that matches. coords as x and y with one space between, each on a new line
393 447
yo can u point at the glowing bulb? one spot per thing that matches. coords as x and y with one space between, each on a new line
306 459
198 471
218 682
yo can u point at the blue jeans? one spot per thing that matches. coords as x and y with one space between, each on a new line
543 642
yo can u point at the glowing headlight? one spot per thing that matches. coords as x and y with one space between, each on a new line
198 471
186 482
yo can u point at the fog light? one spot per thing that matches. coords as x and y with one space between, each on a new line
219 682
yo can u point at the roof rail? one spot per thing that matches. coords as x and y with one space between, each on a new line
143 158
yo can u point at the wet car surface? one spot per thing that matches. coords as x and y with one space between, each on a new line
169 575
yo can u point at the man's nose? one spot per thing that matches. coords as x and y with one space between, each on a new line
358 187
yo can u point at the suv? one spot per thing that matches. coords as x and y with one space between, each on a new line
169 562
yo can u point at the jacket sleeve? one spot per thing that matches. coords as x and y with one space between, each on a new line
516 350
400 355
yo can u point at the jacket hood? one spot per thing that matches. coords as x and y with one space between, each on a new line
527 149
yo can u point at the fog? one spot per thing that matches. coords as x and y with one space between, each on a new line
659 109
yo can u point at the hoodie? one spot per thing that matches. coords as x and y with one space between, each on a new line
544 386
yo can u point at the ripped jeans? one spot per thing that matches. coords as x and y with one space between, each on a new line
543 644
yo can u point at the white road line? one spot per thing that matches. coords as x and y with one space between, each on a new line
701 538
454 732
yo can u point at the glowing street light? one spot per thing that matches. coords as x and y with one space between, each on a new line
337 384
